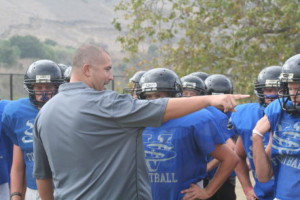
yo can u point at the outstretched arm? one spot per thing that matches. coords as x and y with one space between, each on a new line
178 107
263 165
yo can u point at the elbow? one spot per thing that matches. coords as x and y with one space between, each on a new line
263 178
235 160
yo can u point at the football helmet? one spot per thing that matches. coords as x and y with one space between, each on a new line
67 74
267 78
290 74
201 75
160 80
42 71
134 83
63 68
218 84
191 82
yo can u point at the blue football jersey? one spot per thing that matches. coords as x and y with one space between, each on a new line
285 152
222 119
17 122
176 153
5 150
244 121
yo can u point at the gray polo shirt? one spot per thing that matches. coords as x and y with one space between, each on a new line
90 143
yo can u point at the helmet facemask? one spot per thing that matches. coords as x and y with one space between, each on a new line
290 79
261 87
46 94
267 78
42 72
286 99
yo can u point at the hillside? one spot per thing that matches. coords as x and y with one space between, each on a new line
69 22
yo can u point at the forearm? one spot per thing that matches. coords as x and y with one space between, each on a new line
17 174
212 164
178 107
228 161
263 166
242 172
45 188
225 169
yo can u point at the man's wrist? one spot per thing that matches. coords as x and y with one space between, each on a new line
257 133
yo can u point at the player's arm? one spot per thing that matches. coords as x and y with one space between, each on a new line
214 162
17 175
262 162
242 170
45 188
177 107
228 161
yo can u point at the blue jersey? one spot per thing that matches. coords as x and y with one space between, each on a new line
176 153
285 152
5 150
222 120
17 122
244 121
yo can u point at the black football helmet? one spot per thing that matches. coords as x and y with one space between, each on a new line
136 77
218 84
160 80
42 71
134 83
192 82
267 78
290 74
63 68
201 75
67 74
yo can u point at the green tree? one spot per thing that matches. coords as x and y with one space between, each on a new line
9 55
233 37
30 46
50 42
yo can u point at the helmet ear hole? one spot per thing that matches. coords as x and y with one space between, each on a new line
42 71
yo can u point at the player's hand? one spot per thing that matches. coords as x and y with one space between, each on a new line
195 192
251 195
226 102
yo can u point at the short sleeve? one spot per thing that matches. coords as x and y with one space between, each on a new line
208 134
130 112
42 168
7 124
273 112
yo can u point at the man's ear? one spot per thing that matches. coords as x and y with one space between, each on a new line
86 70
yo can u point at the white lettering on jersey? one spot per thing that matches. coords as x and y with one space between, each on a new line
28 138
